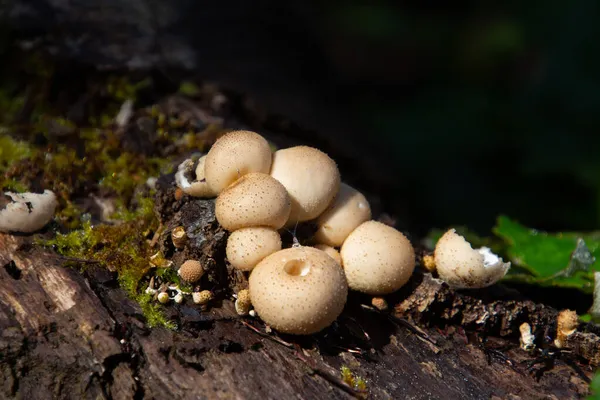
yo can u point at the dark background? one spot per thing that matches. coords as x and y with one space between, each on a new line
470 108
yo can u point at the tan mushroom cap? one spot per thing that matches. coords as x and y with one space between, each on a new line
255 199
349 209
246 247
300 290
234 155
191 271
311 178
377 258
330 251
463 267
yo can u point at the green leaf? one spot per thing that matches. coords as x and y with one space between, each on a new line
565 259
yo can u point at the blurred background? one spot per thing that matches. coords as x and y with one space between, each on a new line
467 110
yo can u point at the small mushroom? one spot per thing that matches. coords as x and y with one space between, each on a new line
379 303
330 251
194 187
566 325
300 290
377 259
255 199
234 155
203 297
463 267
163 297
349 209
246 247
178 237
527 339
191 271
26 212
243 302
311 178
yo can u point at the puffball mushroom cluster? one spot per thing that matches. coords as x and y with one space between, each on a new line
300 290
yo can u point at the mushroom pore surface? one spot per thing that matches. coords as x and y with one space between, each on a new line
349 209
234 155
246 247
300 290
377 259
311 178
255 199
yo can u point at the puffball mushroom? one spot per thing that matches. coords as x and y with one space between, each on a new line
26 212
300 290
463 267
377 258
191 271
255 199
246 247
234 155
197 187
311 178
330 251
349 209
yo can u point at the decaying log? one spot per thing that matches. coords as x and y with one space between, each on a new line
67 335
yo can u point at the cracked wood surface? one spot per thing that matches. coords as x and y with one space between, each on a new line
68 335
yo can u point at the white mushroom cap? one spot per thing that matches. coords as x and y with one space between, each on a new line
462 267
349 209
311 178
330 251
246 247
191 271
234 155
377 258
253 200
198 187
300 290
26 212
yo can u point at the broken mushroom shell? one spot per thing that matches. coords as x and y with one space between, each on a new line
349 209
243 302
203 297
377 258
463 267
234 155
330 251
26 212
191 271
255 199
300 290
178 237
246 247
311 178
194 187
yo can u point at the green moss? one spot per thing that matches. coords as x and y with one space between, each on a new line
11 151
353 380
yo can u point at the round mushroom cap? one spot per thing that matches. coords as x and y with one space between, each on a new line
191 271
234 155
300 290
255 199
311 178
349 209
246 247
26 212
377 259
463 267
330 251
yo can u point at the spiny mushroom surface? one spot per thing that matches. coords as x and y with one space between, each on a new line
26 212
197 187
191 271
377 259
234 155
300 290
311 178
349 209
463 267
246 247
255 199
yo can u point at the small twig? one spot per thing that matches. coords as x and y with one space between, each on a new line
265 335
401 321
156 235
315 370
